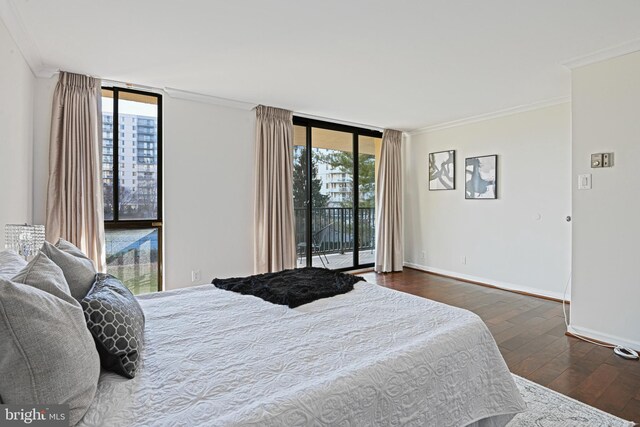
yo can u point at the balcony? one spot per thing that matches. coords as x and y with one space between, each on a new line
144 130
132 256
333 236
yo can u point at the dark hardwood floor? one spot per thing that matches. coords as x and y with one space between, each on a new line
530 333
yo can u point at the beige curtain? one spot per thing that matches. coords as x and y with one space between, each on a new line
389 239
275 247
74 195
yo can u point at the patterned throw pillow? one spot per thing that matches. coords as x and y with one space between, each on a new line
116 322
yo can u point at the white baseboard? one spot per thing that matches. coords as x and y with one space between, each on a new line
361 270
607 338
577 330
498 284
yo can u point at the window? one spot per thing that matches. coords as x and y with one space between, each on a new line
132 207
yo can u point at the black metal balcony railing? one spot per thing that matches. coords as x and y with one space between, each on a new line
132 256
333 228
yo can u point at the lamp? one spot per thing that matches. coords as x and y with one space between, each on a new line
24 239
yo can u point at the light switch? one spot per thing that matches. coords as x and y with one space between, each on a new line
584 182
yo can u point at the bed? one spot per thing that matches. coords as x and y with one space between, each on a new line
370 357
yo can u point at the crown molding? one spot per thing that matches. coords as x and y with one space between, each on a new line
46 72
493 115
340 122
208 99
242 105
127 85
603 54
11 17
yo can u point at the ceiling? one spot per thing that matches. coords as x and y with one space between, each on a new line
399 64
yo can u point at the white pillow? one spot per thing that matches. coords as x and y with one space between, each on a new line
10 264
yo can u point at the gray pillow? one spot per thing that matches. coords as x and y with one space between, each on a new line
116 322
10 264
45 275
78 270
48 354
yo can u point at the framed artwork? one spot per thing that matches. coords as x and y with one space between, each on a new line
442 170
481 177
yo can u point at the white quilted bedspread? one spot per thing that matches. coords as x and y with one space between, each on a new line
372 357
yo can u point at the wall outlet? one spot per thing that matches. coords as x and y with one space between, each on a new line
195 276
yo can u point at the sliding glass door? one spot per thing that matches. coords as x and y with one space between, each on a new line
132 185
334 194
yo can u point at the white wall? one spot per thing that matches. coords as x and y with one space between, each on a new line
606 226
16 138
504 242
208 191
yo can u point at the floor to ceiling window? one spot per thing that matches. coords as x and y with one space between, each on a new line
132 184
334 194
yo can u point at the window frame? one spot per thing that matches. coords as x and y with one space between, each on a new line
356 132
155 223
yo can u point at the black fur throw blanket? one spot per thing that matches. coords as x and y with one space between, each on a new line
291 287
